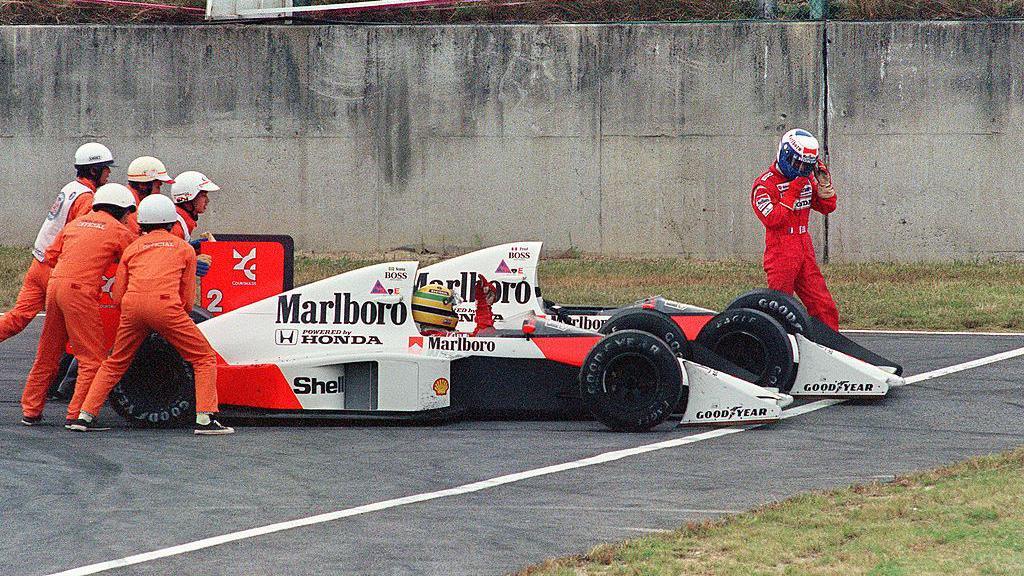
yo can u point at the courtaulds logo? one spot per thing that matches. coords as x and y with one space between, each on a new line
108 285
245 264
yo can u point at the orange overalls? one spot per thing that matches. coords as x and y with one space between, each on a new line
79 255
157 279
32 297
131 222
185 225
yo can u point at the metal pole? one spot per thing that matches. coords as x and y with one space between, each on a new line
766 9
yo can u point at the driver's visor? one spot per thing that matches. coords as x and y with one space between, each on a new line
802 168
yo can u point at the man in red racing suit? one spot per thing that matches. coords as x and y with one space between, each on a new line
783 204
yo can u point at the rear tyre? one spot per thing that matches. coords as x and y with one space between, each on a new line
631 381
754 341
652 322
158 390
783 307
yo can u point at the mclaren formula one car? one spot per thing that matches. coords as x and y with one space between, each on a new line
348 347
768 335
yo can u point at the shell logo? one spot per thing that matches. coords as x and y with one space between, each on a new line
441 386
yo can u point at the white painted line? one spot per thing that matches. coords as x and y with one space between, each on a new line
493 482
967 365
931 332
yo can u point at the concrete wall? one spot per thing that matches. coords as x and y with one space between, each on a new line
615 139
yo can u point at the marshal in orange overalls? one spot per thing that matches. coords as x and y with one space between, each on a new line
156 288
32 297
79 255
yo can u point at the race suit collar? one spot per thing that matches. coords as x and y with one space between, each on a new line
187 218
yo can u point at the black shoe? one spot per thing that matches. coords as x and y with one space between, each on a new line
68 422
31 420
212 429
83 426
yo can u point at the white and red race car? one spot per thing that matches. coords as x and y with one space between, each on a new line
348 347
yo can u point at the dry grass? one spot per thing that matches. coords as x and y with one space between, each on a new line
72 12
961 519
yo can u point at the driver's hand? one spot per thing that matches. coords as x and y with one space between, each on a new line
824 178
485 290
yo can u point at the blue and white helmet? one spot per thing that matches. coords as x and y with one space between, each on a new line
798 153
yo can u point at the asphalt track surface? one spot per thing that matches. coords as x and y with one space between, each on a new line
72 500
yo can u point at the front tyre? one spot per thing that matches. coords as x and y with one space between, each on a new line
785 308
754 341
631 381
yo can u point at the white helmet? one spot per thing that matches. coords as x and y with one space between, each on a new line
114 195
188 185
93 153
147 169
157 209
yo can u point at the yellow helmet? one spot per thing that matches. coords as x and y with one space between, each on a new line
434 305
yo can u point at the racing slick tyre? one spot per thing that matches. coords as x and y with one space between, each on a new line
631 381
158 390
652 322
783 307
754 341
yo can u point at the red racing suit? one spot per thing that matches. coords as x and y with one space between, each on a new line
784 207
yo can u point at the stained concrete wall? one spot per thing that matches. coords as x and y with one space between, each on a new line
613 139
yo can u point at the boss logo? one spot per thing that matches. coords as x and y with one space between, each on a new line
519 254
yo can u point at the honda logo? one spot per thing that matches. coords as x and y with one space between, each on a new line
285 337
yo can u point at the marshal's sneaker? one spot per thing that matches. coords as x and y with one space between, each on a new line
90 426
212 429
31 420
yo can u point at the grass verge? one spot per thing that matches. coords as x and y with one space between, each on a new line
958 296
962 519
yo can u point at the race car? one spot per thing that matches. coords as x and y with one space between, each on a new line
347 347
764 332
